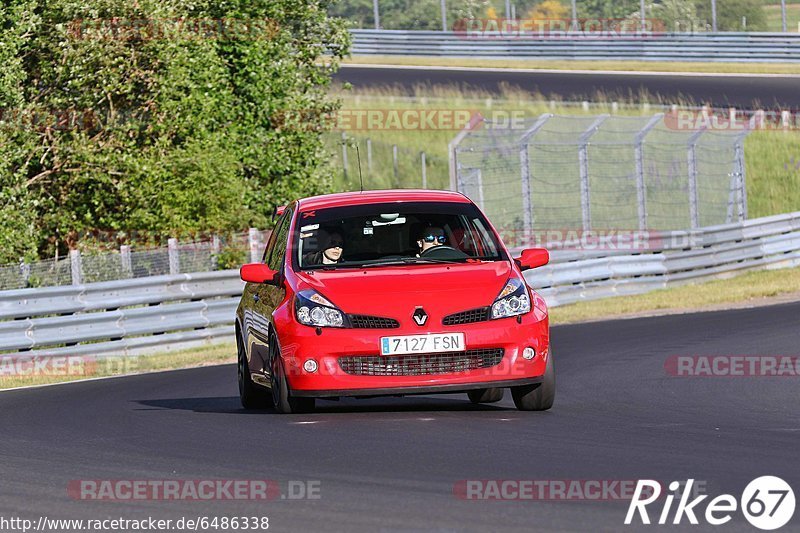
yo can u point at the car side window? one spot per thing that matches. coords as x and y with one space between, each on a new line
281 233
270 243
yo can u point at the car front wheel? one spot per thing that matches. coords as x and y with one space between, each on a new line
491 395
251 395
281 395
539 396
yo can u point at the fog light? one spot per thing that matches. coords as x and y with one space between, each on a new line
310 366
528 353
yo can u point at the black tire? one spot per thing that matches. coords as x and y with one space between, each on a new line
491 395
540 396
251 395
282 398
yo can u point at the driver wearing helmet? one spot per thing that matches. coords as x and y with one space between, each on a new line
431 237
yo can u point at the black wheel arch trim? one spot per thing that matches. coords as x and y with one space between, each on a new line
427 389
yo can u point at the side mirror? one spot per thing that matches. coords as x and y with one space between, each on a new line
532 258
257 273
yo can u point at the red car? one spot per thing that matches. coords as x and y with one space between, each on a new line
390 293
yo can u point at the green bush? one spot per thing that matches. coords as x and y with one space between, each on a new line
113 119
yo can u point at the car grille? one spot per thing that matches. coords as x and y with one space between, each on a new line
373 322
421 364
467 317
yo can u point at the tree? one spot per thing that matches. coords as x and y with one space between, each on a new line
164 116
549 9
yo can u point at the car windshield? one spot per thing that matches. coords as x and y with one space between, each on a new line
374 235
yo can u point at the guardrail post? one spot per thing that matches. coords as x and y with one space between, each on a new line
174 258
125 260
583 169
76 267
641 191
252 241
694 216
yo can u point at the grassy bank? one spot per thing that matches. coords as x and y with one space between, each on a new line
749 288
20 374
774 19
772 157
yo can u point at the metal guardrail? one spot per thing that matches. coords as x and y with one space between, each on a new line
682 257
131 316
729 46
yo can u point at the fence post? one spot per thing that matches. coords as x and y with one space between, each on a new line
525 175
369 157
125 260
25 272
215 248
742 183
694 216
174 258
583 168
452 150
394 162
252 241
76 267
424 171
641 190
344 154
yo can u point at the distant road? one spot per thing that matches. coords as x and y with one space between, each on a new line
743 91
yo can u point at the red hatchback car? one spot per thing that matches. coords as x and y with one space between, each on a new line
390 293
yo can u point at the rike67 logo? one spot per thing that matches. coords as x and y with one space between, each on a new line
767 503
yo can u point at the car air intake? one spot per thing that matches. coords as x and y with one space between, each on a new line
421 364
373 322
467 317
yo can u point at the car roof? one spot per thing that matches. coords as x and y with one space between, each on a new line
374 197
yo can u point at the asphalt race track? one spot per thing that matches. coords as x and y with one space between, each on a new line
740 91
391 464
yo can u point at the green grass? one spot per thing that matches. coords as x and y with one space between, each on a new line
643 66
772 158
774 22
116 366
745 288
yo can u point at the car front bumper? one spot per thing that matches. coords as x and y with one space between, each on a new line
300 343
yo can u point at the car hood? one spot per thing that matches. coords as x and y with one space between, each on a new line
395 292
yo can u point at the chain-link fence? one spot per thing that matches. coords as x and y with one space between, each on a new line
601 172
213 253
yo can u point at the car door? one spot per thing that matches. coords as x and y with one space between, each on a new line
266 297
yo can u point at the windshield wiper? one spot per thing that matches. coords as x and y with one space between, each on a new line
410 261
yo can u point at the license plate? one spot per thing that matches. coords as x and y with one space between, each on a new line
430 343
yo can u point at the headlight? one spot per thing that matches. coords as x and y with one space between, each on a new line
512 301
313 309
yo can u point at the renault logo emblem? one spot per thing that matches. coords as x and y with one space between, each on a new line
420 316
